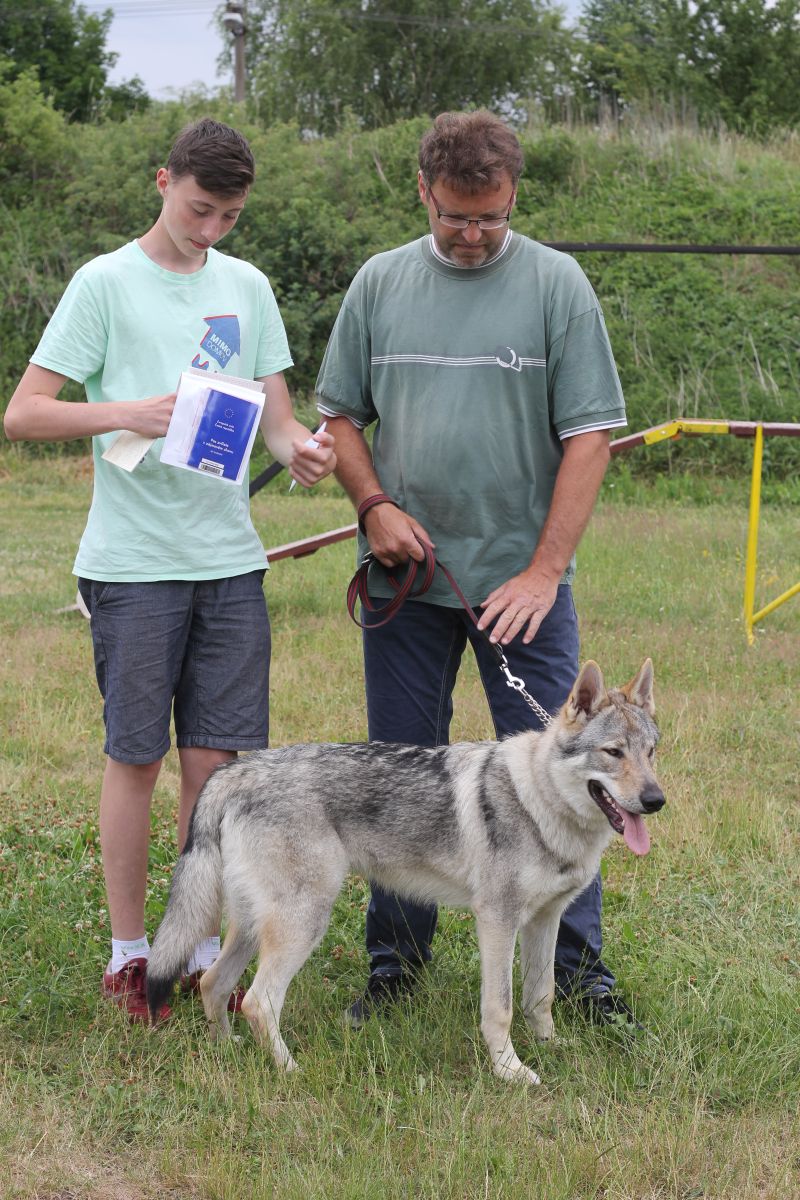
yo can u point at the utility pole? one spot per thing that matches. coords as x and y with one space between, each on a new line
233 20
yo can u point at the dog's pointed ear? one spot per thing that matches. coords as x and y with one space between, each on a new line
640 689
588 694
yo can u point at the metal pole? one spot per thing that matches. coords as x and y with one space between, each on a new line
233 21
238 67
752 535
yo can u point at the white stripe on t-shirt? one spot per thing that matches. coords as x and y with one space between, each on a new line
618 424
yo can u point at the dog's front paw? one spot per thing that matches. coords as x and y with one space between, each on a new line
506 1065
517 1073
542 1026
219 1031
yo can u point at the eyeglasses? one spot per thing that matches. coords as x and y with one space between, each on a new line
465 222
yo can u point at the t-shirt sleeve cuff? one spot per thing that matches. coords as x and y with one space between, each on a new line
60 368
273 368
590 424
331 408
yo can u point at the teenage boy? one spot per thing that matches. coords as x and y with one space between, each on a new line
169 566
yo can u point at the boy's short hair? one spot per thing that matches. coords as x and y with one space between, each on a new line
470 151
216 156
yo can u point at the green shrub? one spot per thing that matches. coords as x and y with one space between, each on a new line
693 335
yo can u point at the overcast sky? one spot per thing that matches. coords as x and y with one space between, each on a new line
171 44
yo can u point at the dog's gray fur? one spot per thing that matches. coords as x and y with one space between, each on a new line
509 829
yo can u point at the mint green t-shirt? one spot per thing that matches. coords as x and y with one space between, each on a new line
126 328
474 376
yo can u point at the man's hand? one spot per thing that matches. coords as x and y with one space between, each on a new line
394 536
309 464
524 600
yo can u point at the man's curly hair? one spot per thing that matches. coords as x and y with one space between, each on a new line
470 151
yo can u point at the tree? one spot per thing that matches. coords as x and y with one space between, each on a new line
638 50
313 61
732 59
65 46
121 99
32 137
749 52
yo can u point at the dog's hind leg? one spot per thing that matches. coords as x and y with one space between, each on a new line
285 945
537 941
217 983
496 939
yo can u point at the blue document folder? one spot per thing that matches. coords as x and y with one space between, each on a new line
222 438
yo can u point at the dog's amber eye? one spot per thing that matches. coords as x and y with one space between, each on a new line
613 751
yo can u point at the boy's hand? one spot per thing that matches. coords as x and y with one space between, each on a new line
35 412
310 463
149 417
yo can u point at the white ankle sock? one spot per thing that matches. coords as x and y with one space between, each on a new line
123 950
205 955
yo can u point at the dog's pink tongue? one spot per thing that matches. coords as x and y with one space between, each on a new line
635 833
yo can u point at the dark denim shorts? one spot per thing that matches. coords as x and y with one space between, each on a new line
200 646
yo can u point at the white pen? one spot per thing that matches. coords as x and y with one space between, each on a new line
311 442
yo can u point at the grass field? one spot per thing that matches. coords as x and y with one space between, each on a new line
703 933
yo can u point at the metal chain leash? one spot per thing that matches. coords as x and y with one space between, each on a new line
514 681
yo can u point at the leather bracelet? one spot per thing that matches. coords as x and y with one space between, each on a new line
372 502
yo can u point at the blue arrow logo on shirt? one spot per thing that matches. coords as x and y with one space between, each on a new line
222 338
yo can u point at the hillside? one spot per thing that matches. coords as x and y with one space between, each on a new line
694 335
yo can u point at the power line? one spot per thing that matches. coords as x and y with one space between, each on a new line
520 28
169 8
159 8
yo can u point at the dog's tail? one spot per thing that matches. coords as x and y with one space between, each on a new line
194 907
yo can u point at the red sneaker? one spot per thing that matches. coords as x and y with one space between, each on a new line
127 988
191 983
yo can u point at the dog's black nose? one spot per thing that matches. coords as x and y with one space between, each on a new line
652 798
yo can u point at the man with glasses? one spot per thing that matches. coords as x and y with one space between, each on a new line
483 358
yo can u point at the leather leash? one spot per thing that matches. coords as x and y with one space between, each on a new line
358 589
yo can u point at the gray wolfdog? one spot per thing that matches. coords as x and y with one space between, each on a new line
511 829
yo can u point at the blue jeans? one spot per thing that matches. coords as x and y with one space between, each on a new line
410 667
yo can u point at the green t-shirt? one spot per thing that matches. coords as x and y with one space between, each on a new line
474 375
126 328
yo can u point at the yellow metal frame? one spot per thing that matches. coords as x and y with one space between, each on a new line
649 437
751 618
672 429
